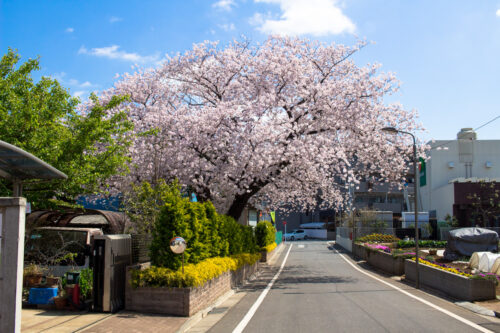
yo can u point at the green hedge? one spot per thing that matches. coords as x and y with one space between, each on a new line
421 243
265 233
194 274
207 233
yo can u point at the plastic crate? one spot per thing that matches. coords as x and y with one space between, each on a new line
42 295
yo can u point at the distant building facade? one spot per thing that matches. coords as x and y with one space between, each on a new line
459 174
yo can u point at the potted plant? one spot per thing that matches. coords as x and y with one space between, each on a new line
61 301
32 275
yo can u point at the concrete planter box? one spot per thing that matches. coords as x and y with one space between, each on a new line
457 286
182 301
266 256
359 251
386 262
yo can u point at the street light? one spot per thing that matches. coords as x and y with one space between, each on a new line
393 130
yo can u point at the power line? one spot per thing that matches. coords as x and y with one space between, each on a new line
475 129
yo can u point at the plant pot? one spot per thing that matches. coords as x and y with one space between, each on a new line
60 302
33 280
52 281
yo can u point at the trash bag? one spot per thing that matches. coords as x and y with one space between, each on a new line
466 241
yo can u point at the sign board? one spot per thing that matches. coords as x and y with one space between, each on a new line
284 222
422 171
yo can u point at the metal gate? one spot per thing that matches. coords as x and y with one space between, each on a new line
110 257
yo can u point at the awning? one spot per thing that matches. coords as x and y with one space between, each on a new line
17 164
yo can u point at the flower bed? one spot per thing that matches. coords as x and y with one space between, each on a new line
184 301
451 281
382 259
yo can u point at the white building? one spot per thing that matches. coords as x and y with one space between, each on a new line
454 168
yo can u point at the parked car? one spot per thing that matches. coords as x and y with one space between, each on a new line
296 235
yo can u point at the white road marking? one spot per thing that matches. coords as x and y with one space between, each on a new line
244 322
301 246
451 314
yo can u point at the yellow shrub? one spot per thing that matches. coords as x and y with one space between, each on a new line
270 247
194 274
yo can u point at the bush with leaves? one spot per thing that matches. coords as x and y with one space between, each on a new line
402 244
206 233
194 274
265 233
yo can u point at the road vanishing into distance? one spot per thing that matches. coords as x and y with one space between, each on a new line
313 287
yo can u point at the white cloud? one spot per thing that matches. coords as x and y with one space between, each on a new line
113 52
224 5
115 19
227 27
299 17
498 12
61 77
69 30
79 93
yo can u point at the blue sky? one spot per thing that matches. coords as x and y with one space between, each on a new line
445 53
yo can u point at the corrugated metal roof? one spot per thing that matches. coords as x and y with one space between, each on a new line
110 222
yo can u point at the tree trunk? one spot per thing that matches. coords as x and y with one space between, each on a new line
238 205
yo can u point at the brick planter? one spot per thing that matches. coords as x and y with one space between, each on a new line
457 286
182 301
386 262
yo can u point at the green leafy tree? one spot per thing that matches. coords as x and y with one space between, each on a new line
42 118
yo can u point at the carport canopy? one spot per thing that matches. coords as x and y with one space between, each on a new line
17 165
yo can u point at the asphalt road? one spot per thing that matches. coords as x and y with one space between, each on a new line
319 291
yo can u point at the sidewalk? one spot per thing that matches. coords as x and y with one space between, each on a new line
37 320
134 322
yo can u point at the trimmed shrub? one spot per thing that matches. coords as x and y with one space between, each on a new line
422 243
265 233
207 233
270 247
194 274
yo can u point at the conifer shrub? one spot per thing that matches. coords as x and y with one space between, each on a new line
207 233
265 233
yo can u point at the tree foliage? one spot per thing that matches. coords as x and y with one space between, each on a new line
42 118
287 121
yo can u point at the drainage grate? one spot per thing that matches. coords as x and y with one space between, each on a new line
219 310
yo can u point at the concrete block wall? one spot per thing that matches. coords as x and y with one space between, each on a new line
457 286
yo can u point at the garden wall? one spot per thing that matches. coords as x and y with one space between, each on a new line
182 301
457 286
386 262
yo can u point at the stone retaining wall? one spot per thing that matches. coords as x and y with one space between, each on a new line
182 301
457 286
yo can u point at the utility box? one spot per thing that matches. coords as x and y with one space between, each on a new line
111 255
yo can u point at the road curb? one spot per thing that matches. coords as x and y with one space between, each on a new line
478 309
197 317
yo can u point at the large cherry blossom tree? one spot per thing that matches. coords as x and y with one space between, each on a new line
286 122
